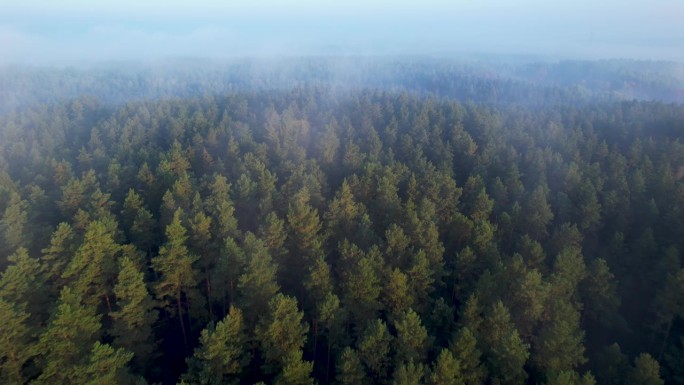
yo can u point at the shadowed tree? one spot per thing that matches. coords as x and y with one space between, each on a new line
57 255
92 270
14 224
107 366
65 345
16 342
350 369
409 374
411 343
505 351
138 221
559 342
178 279
222 353
134 319
465 351
22 284
304 242
296 371
646 371
258 284
281 332
446 370
374 349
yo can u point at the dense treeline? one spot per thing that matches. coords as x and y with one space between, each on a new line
348 237
481 79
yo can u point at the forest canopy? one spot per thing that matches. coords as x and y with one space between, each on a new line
506 225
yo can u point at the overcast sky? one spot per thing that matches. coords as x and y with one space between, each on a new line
51 31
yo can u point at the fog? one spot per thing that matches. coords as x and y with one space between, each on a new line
73 32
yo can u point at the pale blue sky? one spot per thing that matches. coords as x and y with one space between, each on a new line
43 31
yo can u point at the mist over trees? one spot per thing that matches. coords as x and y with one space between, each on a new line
412 221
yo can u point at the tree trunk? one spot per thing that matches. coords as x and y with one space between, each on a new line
667 334
180 318
327 363
109 304
315 343
208 283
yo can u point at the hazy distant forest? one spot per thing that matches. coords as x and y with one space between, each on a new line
342 221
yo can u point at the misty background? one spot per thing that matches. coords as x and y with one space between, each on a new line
78 32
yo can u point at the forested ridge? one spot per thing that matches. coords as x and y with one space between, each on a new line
318 234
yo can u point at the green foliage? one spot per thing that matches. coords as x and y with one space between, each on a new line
94 264
258 284
467 354
222 353
409 374
106 366
350 370
559 344
57 255
295 372
178 279
16 342
64 347
14 224
646 371
505 351
374 348
281 333
411 343
446 370
524 230
133 321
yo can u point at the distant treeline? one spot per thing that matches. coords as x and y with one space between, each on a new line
500 81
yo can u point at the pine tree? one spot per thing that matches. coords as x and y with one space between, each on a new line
138 221
350 369
22 284
361 291
570 377
106 366
411 343
221 355
536 213
57 255
305 241
374 348
64 346
559 343
202 245
612 365
343 215
281 332
258 284
396 294
14 224
568 271
296 371
178 279
421 278
446 370
94 265
221 209
409 374
506 352
646 371
465 351
16 342
133 321
273 233
224 277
